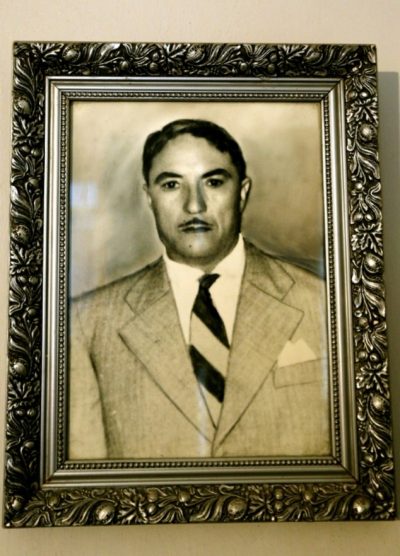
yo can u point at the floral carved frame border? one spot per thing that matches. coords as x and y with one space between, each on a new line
372 495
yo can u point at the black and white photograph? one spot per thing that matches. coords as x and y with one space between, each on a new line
198 324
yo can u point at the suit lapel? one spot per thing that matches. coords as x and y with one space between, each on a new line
153 335
263 325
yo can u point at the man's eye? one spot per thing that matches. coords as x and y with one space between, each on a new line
170 185
214 182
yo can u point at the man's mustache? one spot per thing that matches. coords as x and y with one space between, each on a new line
195 224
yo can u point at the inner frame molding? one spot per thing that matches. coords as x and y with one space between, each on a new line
342 465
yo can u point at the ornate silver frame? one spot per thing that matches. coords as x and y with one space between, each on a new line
43 488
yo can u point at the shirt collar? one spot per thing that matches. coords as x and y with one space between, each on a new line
232 265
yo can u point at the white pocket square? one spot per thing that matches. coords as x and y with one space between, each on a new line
294 353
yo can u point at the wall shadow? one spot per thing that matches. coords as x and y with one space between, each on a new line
389 147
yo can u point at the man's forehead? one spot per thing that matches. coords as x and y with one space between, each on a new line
186 149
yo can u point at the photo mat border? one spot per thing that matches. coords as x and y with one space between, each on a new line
30 499
61 92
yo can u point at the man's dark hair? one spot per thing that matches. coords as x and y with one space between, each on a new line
217 136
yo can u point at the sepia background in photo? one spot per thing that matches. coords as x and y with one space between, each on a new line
112 232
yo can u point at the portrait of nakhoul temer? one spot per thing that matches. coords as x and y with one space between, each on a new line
214 345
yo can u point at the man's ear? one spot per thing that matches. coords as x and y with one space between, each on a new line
245 187
146 190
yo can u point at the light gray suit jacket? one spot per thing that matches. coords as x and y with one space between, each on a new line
133 393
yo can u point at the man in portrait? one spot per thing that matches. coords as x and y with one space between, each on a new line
216 349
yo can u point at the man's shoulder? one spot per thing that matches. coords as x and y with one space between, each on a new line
282 267
301 274
110 293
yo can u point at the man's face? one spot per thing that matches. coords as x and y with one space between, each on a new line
197 200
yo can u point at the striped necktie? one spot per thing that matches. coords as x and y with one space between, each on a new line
209 347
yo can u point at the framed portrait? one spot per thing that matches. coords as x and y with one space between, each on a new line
197 318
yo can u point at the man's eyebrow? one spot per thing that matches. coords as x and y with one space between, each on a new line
217 171
166 175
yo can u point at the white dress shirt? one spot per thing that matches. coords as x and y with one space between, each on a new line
224 292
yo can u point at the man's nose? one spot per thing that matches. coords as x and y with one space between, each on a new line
195 201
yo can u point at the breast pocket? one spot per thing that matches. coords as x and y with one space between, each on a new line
307 372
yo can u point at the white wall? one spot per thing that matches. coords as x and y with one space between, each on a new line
348 21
